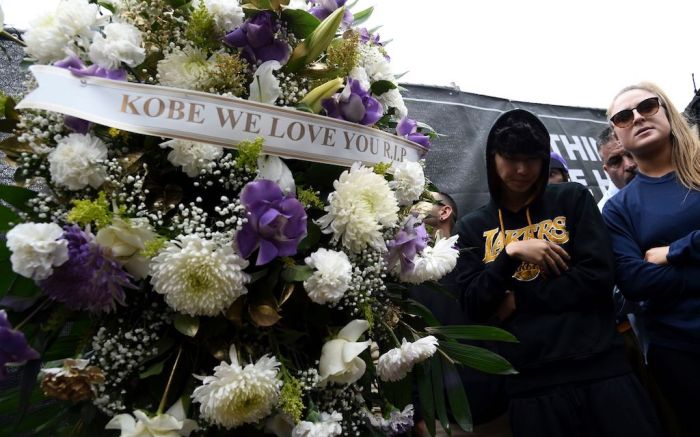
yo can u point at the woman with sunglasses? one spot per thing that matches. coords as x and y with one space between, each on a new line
654 223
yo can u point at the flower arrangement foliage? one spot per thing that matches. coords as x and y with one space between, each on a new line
159 286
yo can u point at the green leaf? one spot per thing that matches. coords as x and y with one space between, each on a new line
425 393
297 273
187 325
422 311
155 369
439 393
107 5
8 218
300 22
381 86
398 393
255 276
16 196
459 404
362 16
177 3
473 332
478 358
313 236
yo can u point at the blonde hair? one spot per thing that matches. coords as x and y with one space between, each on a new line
685 144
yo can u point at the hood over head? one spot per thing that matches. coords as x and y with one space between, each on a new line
517 132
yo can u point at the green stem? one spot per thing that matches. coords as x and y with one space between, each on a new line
164 399
391 331
12 38
32 314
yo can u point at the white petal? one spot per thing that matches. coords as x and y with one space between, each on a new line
124 422
265 87
353 330
352 349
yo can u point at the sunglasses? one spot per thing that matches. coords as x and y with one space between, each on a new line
645 108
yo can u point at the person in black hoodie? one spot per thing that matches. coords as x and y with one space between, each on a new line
538 258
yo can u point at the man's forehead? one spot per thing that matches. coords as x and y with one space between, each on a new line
612 148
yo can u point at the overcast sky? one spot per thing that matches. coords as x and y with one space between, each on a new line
559 52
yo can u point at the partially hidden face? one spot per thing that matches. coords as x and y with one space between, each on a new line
518 173
644 130
618 163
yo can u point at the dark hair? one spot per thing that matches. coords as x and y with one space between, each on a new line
447 200
520 137
605 137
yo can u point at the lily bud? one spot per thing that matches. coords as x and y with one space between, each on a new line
314 97
317 41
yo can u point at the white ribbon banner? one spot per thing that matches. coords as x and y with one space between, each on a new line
208 118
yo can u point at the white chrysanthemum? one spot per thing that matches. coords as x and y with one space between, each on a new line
393 99
197 276
49 35
36 249
126 240
433 262
172 423
361 205
121 43
192 156
227 14
75 162
331 278
375 63
187 69
409 182
236 395
396 363
328 426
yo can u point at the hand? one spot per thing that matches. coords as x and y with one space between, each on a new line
507 306
657 255
551 257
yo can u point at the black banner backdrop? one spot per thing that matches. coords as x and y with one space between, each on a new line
456 163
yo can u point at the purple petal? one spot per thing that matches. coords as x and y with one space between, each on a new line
71 61
236 38
76 124
353 110
268 217
276 51
259 35
246 240
320 12
331 106
373 110
268 252
406 126
421 139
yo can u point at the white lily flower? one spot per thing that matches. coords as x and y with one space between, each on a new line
340 360
172 423
274 169
265 87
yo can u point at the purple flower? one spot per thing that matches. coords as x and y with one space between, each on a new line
324 8
366 37
73 64
13 346
256 36
276 223
354 104
408 129
88 280
409 241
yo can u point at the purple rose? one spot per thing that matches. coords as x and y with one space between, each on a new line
276 222
73 64
256 37
354 104
408 129
410 240
323 8
13 346
88 280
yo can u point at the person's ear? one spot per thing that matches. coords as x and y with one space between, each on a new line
445 212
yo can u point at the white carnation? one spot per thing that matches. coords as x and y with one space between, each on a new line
396 363
75 162
227 14
433 262
375 63
186 69
409 182
50 35
360 74
236 395
331 278
121 43
359 208
393 99
192 156
328 426
197 276
36 249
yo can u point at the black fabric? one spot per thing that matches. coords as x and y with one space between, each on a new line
674 372
611 407
558 319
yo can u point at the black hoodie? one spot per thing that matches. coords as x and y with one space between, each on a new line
564 324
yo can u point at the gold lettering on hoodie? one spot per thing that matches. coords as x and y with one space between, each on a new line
551 230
